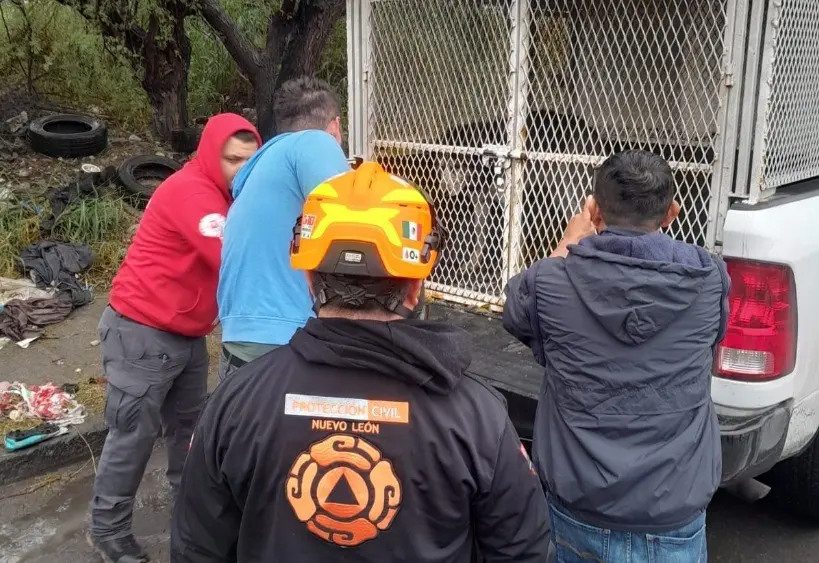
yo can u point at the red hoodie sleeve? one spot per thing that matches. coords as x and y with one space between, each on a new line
200 219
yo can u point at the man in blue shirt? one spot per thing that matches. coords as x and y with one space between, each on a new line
262 300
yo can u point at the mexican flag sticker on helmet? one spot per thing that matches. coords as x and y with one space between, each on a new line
411 230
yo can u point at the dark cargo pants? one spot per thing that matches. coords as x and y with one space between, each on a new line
156 381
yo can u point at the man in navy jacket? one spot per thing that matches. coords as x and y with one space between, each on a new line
625 322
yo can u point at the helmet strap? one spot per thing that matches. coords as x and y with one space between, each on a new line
330 287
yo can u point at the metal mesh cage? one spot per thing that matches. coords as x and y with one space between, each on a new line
608 75
791 139
501 110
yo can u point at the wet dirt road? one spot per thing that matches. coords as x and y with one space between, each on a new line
48 525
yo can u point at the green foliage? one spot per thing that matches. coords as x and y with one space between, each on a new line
19 227
103 224
215 84
54 51
333 67
60 55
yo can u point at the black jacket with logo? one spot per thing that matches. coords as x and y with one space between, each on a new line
360 441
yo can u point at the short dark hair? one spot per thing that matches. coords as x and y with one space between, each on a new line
359 294
634 188
245 136
304 103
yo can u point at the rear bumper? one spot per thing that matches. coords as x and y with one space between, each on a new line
752 440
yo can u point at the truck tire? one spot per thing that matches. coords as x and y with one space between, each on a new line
67 135
140 175
794 483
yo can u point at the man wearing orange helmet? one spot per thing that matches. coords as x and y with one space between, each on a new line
365 432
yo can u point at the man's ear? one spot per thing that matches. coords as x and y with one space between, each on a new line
311 277
334 128
595 215
670 215
414 294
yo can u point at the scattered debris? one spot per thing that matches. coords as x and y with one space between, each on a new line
18 122
47 402
249 114
95 343
135 139
21 439
20 289
25 342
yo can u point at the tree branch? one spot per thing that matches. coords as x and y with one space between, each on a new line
115 21
245 54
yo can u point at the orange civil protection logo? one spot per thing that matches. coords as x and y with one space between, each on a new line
344 490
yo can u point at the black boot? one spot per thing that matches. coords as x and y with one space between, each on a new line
120 550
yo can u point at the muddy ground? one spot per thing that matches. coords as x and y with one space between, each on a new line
68 352
48 524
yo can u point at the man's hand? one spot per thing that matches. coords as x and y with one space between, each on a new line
580 226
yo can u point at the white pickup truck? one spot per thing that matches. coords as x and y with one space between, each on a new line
502 109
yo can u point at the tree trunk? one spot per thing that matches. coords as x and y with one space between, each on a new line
294 48
167 62
314 25
263 93
296 37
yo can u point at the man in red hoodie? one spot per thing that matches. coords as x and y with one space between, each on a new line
152 335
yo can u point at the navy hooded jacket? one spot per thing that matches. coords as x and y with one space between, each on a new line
626 436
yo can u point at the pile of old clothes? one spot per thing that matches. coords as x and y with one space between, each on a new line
19 401
53 268
56 264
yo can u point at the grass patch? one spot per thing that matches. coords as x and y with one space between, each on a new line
19 227
103 223
92 396
8 425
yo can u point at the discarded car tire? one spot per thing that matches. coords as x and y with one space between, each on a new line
68 135
140 175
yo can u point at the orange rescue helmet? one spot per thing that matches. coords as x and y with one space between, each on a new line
367 222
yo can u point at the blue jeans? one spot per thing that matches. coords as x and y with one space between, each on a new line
577 542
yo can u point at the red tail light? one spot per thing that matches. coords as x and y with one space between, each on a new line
760 343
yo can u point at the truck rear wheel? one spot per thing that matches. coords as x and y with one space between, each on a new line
794 483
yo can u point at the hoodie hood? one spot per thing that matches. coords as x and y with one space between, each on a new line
427 354
636 283
208 158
